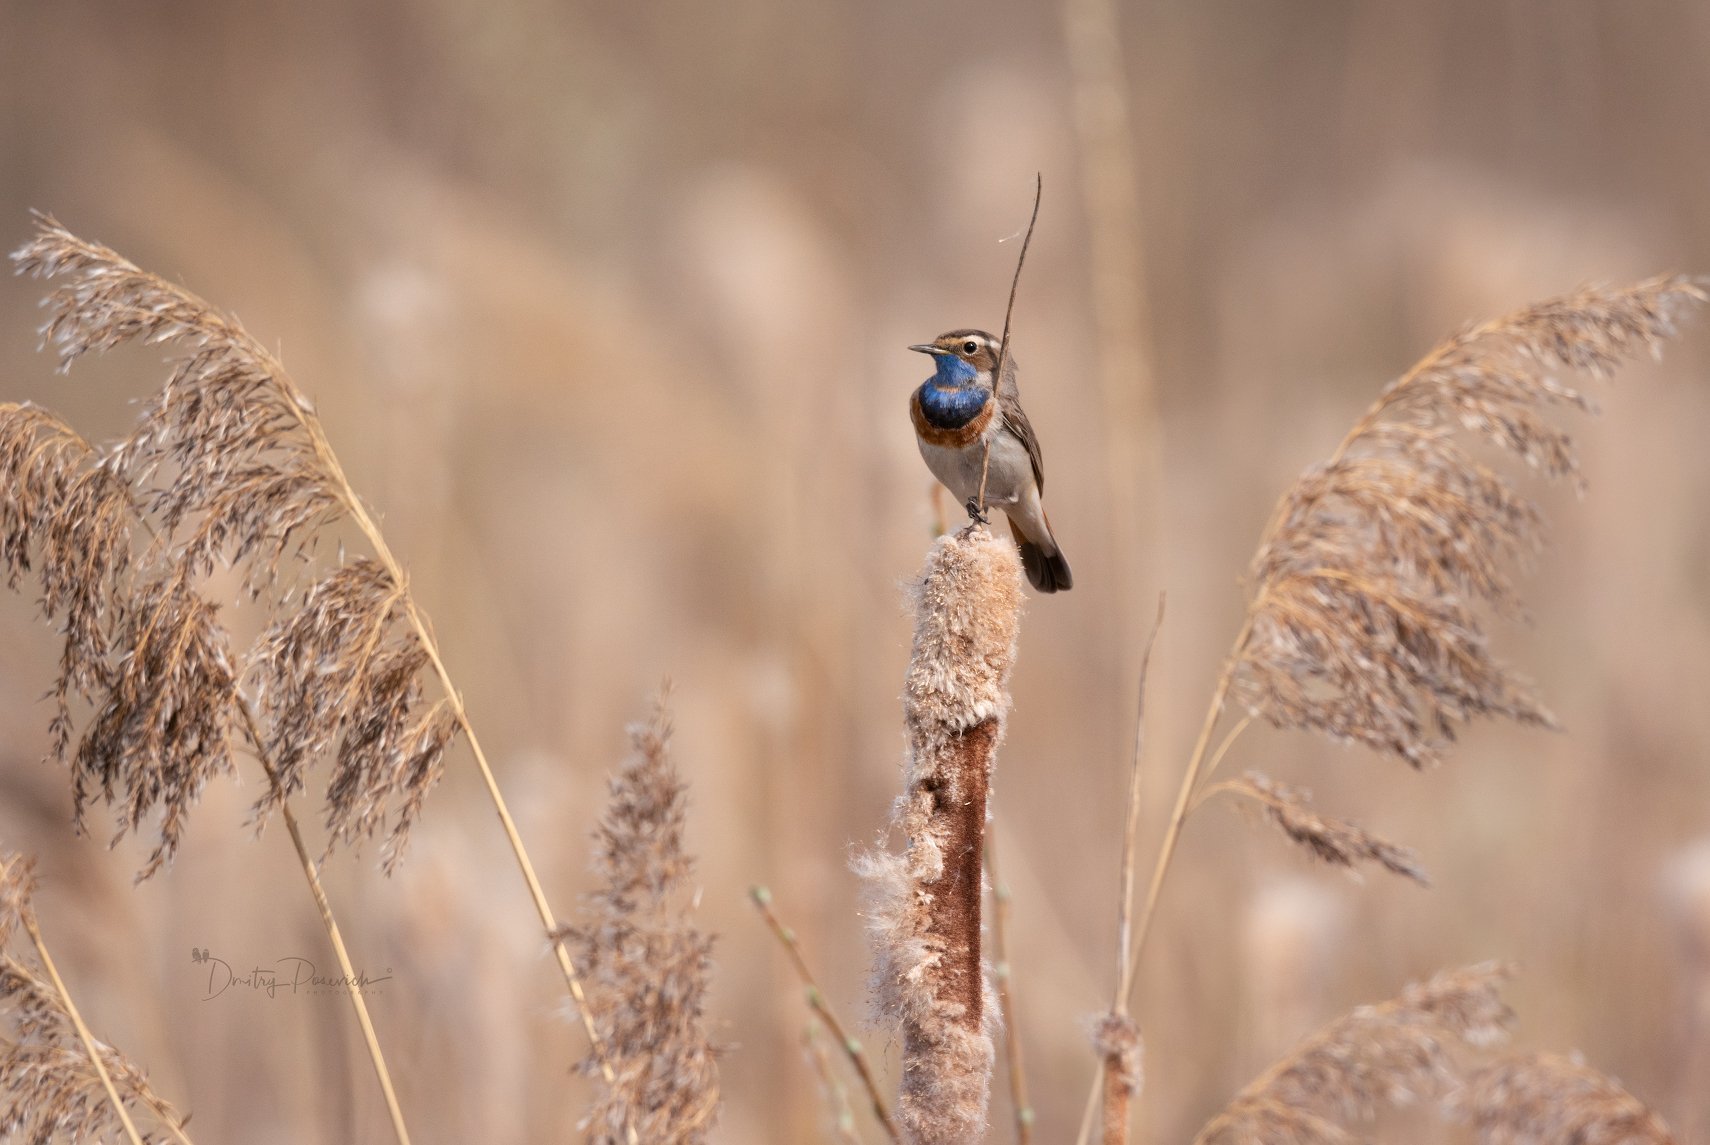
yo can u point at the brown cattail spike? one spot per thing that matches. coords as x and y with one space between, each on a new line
925 915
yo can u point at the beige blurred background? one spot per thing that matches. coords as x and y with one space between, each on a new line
604 306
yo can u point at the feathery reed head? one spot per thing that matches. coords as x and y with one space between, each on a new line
1392 1053
924 914
1542 1099
1334 841
50 1089
1363 623
646 966
226 467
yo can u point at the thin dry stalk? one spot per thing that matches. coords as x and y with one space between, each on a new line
1003 343
651 964
851 1046
232 459
1333 841
924 915
58 1078
1116 1036
836 1094
329 922
1394 1053
1542 1099
1002 974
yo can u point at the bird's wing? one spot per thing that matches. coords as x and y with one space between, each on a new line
1016 422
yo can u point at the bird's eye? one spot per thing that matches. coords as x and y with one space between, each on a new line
970 347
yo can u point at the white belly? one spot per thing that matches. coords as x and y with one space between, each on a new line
1008 476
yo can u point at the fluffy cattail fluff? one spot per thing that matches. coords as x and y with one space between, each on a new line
645 965
924 912
1393 1053
1333 841
50 1089
1363 623
227 465
1545 1099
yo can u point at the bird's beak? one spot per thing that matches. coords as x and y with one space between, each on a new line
926 348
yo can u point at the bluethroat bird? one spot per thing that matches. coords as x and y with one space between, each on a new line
958 414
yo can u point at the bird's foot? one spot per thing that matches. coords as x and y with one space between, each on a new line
976 514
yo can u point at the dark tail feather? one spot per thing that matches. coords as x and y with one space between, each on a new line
1046 568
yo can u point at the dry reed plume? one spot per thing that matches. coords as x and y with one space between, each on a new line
57 1080
225 467
649 965
1369 587
1396 1053
924 914
1362 623
1424 1047
1542 1099
1333 841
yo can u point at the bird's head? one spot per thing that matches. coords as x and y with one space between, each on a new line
963 357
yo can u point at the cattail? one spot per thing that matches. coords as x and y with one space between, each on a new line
647 966
1393 1053
1543 1099
925 903
57 1080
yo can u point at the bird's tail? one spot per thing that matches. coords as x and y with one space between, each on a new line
1043 560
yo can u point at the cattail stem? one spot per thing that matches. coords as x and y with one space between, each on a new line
83 1034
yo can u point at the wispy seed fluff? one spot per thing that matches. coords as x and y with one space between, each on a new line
924 904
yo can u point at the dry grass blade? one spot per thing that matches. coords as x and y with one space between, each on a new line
1393 1053
1542 1099
651 965
1334 841
1363 623
57 1081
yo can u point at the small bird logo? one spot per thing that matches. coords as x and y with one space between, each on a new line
956 420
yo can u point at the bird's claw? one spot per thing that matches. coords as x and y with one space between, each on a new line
975 513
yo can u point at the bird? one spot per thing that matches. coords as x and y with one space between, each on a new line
958 413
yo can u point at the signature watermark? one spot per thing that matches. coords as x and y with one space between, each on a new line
287 977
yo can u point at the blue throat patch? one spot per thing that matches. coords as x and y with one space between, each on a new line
952 397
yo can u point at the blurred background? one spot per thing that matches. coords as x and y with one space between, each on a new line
605 307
